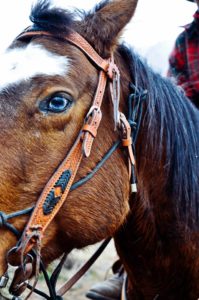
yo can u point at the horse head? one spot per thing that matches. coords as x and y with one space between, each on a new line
47 88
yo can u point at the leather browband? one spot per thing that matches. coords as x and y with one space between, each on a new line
77 40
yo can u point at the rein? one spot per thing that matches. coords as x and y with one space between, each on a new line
62 182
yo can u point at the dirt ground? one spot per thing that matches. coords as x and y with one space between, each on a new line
99 271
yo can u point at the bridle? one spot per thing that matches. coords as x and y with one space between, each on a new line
62 181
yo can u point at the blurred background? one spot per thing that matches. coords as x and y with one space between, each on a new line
152 31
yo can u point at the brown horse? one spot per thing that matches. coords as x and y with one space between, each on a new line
46 89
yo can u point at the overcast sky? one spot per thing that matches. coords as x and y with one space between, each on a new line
155 21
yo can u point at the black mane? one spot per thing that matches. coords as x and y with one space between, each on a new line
172 126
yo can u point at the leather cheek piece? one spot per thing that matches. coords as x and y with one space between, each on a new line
90 129
91 132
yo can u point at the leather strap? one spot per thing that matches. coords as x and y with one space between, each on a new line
53 195
77 40
70 283
126 137
94 115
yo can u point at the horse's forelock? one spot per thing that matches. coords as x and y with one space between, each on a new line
101 26
51 18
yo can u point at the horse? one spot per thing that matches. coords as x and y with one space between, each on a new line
48 82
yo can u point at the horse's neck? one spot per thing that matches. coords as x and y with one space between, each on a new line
159 254
153 252
143 241
150 243
140 249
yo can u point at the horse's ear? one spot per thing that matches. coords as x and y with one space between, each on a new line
102 27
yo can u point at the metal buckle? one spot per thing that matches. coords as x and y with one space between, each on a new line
91 110
3 281
6 281
115 95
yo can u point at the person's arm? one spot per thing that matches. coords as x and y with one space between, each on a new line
177 61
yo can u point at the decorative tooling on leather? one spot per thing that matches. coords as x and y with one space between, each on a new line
53 198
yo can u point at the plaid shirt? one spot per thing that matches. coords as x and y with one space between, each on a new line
184 60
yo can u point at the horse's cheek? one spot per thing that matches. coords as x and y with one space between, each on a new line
91 214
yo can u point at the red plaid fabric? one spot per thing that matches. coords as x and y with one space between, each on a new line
184 60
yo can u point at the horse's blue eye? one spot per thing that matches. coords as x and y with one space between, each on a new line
57 103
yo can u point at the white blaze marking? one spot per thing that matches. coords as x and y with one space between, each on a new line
21 64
